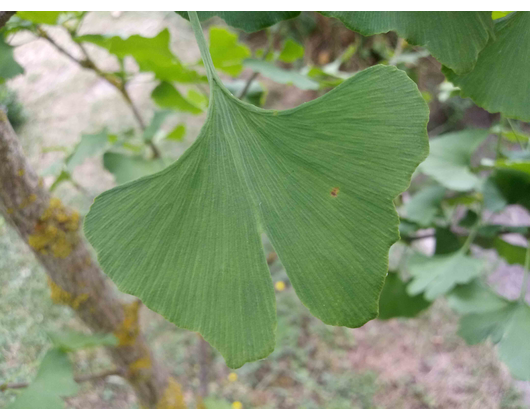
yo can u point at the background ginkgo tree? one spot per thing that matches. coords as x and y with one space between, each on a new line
338 201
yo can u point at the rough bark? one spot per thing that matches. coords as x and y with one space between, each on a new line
52 232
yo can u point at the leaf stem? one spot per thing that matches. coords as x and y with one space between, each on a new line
526 274
203 48
472 235
521 142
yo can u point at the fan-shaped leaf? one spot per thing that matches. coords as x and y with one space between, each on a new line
449 159
227 54
500 82
318 180
423 207
507 323
454 38
151 54
438 275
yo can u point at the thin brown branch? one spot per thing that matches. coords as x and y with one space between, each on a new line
87 63
254 75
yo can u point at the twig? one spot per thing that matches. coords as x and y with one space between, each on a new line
87 63
526 274
256 74
79 379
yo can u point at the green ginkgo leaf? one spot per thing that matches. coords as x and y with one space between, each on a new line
500 82
152 54
90 145
395 302
126 168
279 75
165 95
435 276
424 206
454 38
54 381
505 322
226 52
291 51
511 186
8 66
68 341
40 17
248 21
318 180
449 159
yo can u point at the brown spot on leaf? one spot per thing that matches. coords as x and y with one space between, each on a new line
334 191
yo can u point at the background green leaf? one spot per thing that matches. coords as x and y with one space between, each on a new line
165 95
151 54
279 75
47 18
500 82
454 38
9 68
68 341
227 53
424 206
395 302
291 51
247 21
449 159
126 168
437 275
54 381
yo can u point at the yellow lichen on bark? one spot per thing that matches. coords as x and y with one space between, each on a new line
27 201
56 231
172 397
129 327
140 364
60 296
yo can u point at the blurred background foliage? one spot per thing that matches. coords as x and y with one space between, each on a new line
99 99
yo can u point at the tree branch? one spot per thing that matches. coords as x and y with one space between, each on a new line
51 230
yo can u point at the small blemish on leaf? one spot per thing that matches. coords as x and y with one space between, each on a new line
334 191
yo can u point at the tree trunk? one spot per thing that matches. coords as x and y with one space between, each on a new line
52 232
